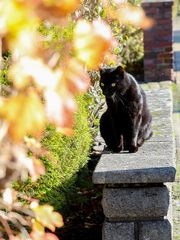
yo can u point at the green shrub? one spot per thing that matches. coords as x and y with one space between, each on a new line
4 72
130 51
68 156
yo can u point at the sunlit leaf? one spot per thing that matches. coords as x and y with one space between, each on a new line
54 10
60 108
26 42
32 142
39 167
92 41
9 196
130 14
64 6
38 235
29 69
15 238
50 236
134 15
13 17
76 77
66 131
37 230
34 166
119 1
47 217
24 114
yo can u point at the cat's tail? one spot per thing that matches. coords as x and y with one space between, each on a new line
143 137
149 136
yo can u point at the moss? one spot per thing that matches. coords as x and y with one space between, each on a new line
157 133
68 156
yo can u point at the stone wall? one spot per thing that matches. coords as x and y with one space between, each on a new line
137 190
158 55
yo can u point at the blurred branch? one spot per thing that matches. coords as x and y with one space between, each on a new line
5 224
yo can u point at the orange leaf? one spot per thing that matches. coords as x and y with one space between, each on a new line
64 7
28 69
60 108
129 14
50 236
38 166
92 41
66 131
76 77
54 10
46 236
14 238
24 114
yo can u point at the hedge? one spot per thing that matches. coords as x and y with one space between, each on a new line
68 156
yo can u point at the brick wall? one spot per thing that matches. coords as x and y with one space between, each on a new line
158 58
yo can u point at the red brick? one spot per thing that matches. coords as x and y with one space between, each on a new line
149 62
152 11
145 5
165 55
168 49
149 66
165 21
169 4
157 4
170 61
164 44
168 14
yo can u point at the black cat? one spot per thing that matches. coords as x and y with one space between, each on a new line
126 124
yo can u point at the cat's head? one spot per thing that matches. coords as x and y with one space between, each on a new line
111 80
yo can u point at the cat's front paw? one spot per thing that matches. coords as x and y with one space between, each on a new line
117 149
133 149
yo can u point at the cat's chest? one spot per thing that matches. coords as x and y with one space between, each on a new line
117 107
123 108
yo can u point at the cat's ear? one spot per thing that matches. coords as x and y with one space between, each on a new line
120 71
102 71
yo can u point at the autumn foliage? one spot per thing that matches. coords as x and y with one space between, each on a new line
44 83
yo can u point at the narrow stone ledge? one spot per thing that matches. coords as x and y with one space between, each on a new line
155 160
153 163
118 231
130 204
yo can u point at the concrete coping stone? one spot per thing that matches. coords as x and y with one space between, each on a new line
155 160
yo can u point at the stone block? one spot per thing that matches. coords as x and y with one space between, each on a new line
155 230
118 231
129 204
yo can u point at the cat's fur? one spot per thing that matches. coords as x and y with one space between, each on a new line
126 124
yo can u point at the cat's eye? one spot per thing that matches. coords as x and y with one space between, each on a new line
102 84
113 84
